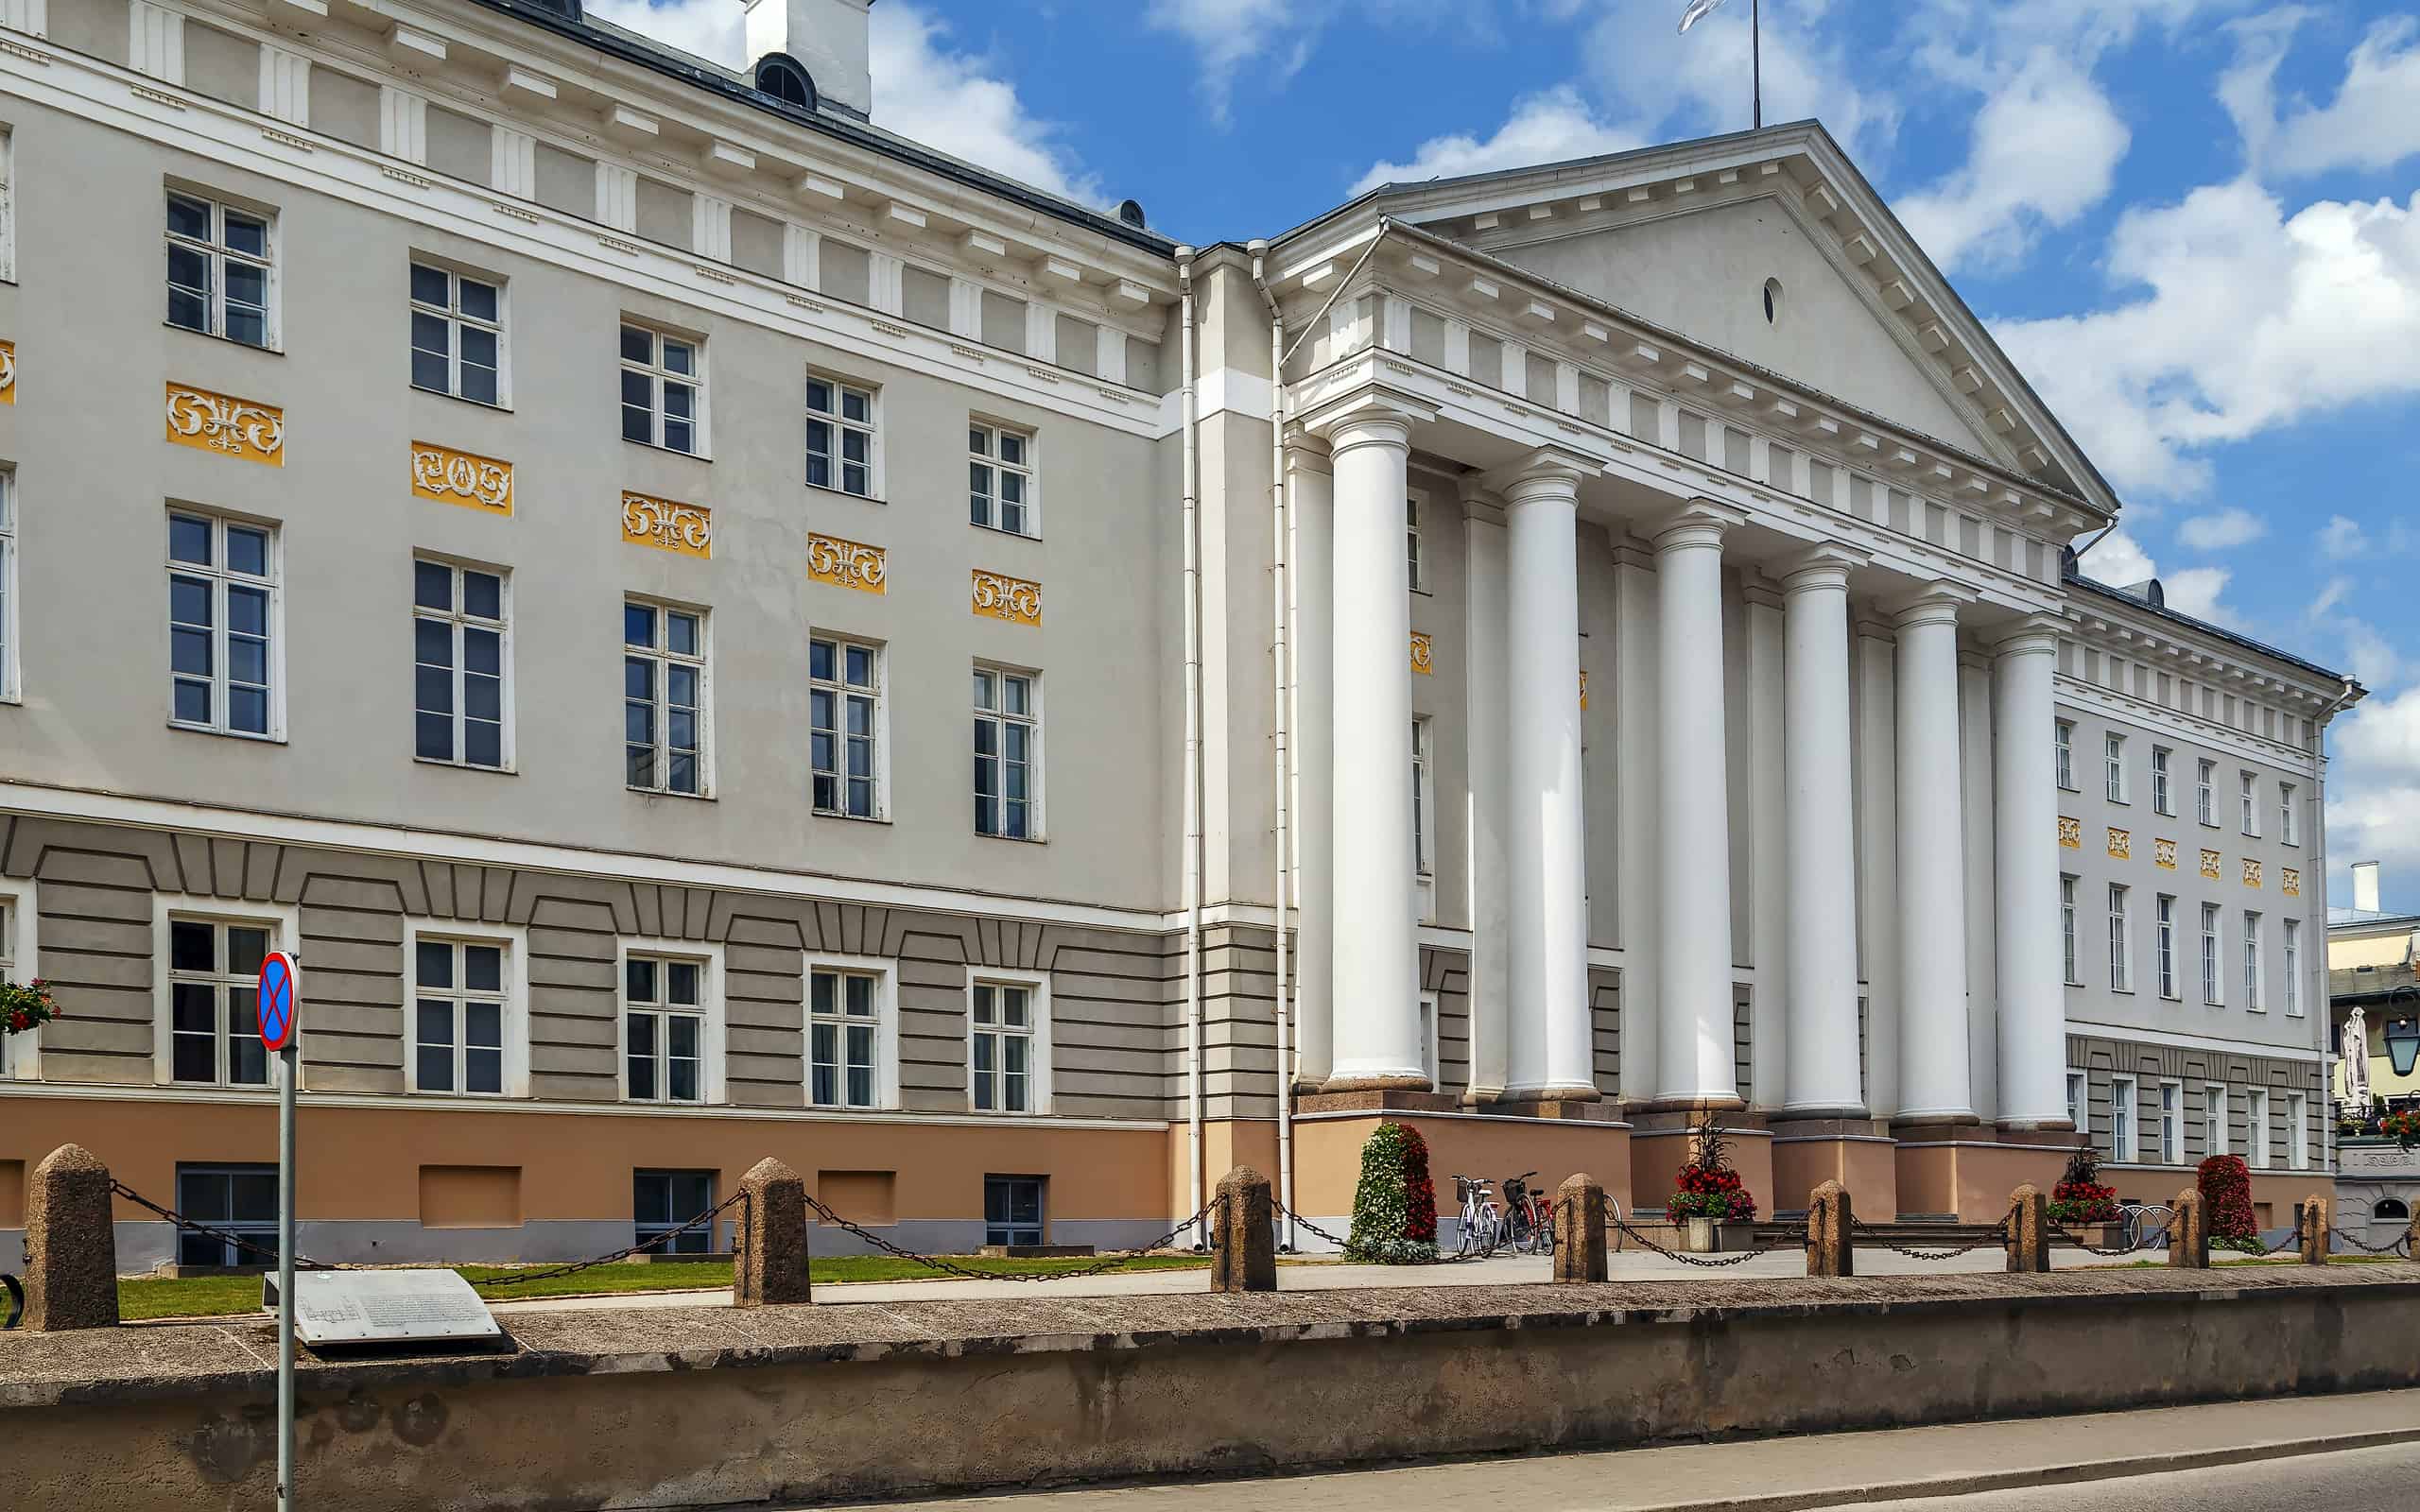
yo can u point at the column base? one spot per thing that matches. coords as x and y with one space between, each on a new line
1709 1103
1574 1092
1856 1152
1376 1084
1966 1174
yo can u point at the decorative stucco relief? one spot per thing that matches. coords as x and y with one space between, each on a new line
2251 872
8 372
2122 843
1001 597
222 423
1423 660
2070 834
685 528
2210 865
2291 883
2163 855
846 563
448 476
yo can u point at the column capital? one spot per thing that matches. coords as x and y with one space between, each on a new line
2034 635
1827 565
1547 472
1934 603
1696 523
1368 416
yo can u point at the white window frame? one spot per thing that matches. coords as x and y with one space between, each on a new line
2064 753
989 461
12 663
2205 792
2163 790
1415 545
2289 833
1036 811
2252 963
2297 1131
841 691
2113 765
2214 991
1038 1087
2165 909
1432 1012
218 255
9 207
886 1029
2067 926
836 477
2294 946
663 657
2250 790
457 319
285 924
513 939
2171 1122
20 962
708 955
457 619
2124 1113
220 577
2080 1100
1423 797
658 375
2255 1110
2122 939
2214 1118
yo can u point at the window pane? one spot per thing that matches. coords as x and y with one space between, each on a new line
188 217
681 982
818 396
854 405
482 1070
680 634
639 979
433 736
479 299
247 235
193 1008
861 997
435 962
483 742
435 1058
638 625
637 345
248 551
679 356
189 539
428 285
245 948
483 967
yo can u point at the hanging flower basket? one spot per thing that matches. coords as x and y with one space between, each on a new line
25 1007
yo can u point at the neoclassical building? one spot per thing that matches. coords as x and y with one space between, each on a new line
717 630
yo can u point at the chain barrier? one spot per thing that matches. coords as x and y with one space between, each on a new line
2113 1251
2257 1251
1795 1234
16 1313
1439 1259
228 1236
644 1247
1997 1235
2400 1247
1106 1262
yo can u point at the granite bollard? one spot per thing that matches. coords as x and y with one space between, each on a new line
1831 1245
771 1263
2412 1239
2029 1231
1245 1257
1580 1229
2188 1231
2313 1215
70 1244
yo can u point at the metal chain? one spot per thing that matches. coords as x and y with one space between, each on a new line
16 1303
525 1278
1439 1259
2112 1251
2397 1248
1704 1261
227 1236
1999 1235
1106 1262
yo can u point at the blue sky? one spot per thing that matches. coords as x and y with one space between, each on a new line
2195 224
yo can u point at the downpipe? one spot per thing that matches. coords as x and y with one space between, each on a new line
1280 664
1190 527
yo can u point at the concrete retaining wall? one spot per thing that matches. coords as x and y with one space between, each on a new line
698 1406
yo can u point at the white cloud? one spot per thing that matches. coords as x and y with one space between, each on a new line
2195 591
954 102
2252 318
1230 33
1673 85
2119 560
2369 657
2044 149
1545 127
2373 789
2336 591
2372 123
2223 530
2341 538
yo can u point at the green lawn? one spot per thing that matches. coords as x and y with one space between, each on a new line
218 1295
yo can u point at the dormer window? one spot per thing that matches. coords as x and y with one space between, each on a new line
780 76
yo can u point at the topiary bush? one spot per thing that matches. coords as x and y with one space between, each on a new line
2226 1184
1395 1208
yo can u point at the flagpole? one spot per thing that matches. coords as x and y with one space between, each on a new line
1757 62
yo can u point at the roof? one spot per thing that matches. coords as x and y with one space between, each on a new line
2373 984
2136 600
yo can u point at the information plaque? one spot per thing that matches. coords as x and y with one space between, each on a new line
342 1307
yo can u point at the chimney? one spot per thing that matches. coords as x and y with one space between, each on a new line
827 38
2365 887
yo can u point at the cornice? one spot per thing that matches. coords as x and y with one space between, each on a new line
2221 663
2143 713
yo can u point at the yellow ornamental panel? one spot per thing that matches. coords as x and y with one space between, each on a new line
2210 865
8 372
222 423
2122 843
2070 834
845 564
2290 884
1421 661
1001 597
448 476
2163 855
1584 690
685 528
2251 872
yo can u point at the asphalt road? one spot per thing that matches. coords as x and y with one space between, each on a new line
2361 1480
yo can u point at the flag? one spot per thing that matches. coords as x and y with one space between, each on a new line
1699 10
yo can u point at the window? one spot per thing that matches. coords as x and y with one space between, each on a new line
457 334
2256 1114
2113 757
2066 753
2293 967
664 1029
1008 735
1422 798
1008 1047
239 1199
2390 1209
459 1010
664 698
2122 1117
999 479
2167 946
1419 578
2211 993
458 664
2251 792
844 716
2205 799
1428 1046
9 684
841 423
662 390
1012 1210
2163 798
2252 960
2120 946
221 263
222 616
661 1201
2171 1123
2067 927
2214 1119
847 1030
2287 833
213 1001
2079 1103
20 1053
2297 1131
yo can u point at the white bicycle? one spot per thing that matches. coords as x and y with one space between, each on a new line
1483 1221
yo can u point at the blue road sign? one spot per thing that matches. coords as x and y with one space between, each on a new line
278 980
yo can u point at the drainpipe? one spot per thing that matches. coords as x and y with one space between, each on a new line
1280 664
1191 527
2327 1022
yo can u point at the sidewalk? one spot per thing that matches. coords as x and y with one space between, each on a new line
1782 1475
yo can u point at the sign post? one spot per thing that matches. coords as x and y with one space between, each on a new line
280 998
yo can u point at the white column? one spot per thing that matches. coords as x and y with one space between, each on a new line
1982 890
1487 714
1821 1038
1693 959
1311 497
1550 1051
1767 880
1637 817
1375 993
1875 754
1932 865
2032 1036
